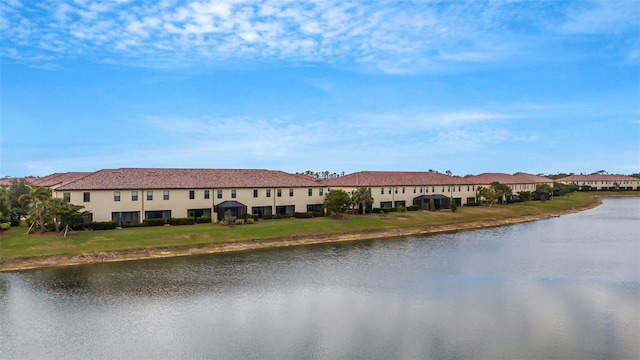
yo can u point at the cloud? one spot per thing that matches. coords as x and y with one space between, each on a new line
388 36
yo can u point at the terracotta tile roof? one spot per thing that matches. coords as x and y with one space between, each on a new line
58 179
518 178
137 178
395 178
596 177
6 182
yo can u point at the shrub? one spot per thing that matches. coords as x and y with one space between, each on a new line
377 211
453 205
305 215
318 214
182 221
5 219
102 225
154 222
390 209
134 225
5 226
250 221
413 208
401 208
253 216
239 221
267 216
473 203
203 219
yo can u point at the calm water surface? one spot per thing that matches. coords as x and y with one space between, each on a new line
565 287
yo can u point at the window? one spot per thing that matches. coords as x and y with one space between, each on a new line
233 194
255 193
206 194
219 194
321 192
165 195
279 193
268 192
389 190
395 190
403 189
414 189
116 196
310 192
66 197
86 196
192 194
149 195
381 191
290 192
134 196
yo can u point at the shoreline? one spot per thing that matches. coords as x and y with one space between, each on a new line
21 264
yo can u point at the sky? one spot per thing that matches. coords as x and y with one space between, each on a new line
332 85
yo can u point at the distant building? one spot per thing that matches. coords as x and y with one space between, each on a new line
517 182
602 182
405 188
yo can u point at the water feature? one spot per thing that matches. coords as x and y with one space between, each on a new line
566 287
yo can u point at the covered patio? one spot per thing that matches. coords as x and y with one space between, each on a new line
439 201
238 209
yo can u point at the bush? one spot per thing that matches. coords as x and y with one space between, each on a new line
390 209
102 225
253 216
267 216
318 214
5 219
203 219
250 221
401 208
473 203
134 225
5 226
307 215
377 211
154 222
182 221
239 222
413 208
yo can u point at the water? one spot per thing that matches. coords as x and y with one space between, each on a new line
565 287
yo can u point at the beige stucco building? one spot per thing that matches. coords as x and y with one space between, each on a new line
602 182
404 188
517 182
133 195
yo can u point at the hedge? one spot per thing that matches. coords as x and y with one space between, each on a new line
5 226
154 222
102 225
413 208
203 219
182 221
303 215
134 225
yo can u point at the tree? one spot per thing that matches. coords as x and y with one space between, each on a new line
489 194
34 202
502 190
5 203
335 201
17 188
525 196
453 205
361 197
68 215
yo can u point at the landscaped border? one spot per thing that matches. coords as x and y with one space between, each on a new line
166 252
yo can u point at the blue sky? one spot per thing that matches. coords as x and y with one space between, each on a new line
465 86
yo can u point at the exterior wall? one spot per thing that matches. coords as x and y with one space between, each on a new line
606 184
102 204
395 194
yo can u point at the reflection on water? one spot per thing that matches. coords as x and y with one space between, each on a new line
565 287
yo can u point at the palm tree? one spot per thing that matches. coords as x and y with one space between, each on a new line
35 201
361 196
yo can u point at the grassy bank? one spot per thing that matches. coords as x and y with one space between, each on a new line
15 244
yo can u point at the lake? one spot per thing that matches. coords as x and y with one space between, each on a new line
566 287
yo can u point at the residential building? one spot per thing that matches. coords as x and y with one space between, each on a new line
517 182
602 182
130 195
404 188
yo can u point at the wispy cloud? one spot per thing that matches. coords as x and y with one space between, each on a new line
389 36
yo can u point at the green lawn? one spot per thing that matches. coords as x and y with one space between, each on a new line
16 244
